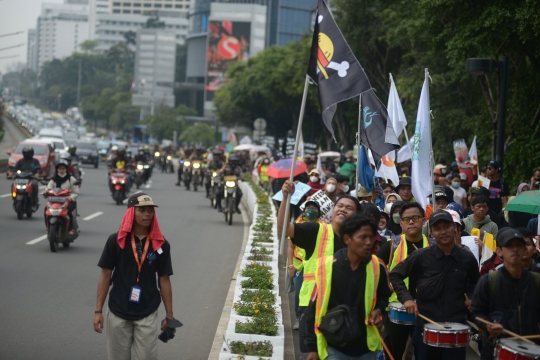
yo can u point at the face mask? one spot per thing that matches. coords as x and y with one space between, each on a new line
455 184
396 218
345 188
330 188
388 207
311 214
63 176
314 179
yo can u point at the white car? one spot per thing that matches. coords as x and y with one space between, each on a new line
50 133
59 145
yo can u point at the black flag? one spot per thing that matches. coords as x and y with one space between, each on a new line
375 127
333 66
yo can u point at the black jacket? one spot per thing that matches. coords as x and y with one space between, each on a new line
345 286
516 304
31 166
429 262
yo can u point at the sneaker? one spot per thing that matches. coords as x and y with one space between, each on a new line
238 211
296 325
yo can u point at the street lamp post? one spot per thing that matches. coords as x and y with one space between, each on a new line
479 66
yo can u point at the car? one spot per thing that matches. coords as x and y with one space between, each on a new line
58 145
50 133
43 152
87 151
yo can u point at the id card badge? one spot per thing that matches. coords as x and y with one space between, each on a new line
135 295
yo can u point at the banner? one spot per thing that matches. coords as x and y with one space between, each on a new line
326 204
228 42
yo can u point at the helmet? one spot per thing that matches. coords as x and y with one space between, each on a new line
72 149
266 161
114 148
65 156
28 152
121 152
61 162
234 158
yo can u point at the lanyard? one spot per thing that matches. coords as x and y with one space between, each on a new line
139 262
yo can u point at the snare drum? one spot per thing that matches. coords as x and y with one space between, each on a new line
507 349
398 315
454 335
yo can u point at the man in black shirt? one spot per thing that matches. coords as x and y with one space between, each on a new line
28 164
509 296
444 274
498 187
137 253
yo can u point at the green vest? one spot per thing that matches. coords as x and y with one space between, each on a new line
323 247
324 283
399 255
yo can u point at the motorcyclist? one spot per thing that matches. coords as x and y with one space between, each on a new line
231 168
122 163
72 170
141 157
215 165
63 180
112 154
31 165
72 150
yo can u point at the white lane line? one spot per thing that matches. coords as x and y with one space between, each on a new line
95 215
5 195
35 241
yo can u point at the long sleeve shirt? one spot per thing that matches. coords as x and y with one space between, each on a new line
428 262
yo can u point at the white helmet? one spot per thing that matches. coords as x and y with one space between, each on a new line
114 148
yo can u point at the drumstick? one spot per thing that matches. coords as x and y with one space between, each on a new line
526 337
506 331
383 343
431 321
466 297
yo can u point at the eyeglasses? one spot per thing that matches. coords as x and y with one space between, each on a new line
139 249
415 219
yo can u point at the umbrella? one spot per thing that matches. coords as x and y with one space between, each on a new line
243 147
282 168
527 202
329 154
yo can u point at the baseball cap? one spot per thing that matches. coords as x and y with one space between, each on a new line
439 192
140 199
454 206
454 164
314 171
404 181
438 168
495 164
455 216
506 234
441 215
314 203
482 191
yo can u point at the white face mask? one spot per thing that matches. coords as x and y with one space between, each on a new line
62 176
388 207
344 188
314 179
330 188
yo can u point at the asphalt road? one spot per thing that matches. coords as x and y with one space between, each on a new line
47 299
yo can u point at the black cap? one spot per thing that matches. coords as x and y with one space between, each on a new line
495 164
404 181
506 234
482 191
440 192
140 199
313 202
440 215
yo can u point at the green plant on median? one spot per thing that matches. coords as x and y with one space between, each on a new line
255 269
254 309
260 254
263 237
257 348
262 325
260 295
259 281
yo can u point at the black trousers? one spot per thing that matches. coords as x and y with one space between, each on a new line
397 336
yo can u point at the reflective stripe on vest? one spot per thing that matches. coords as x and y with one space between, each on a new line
401 254
299 256
323 247
323 289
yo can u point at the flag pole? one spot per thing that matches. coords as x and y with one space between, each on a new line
287 198
357 185
432 158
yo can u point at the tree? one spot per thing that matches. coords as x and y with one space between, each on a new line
167 120
154 23
124 116
199 133
130 37
89 45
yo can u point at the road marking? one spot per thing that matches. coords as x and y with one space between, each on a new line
35 241
95 215
147 186
5 195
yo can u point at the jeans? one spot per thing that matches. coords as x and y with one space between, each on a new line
333 354
427 352
298 279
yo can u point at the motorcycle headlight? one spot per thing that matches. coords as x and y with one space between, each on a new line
169 157
187 163
196 165
122 182
147 166
214 174
20 187
156 154
230 184
114 181
140 167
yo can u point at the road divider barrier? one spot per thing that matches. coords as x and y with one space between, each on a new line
255 329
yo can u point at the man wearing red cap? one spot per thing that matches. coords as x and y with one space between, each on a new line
137 253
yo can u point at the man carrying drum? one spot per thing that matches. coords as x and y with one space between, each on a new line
509 297
445 275
393 252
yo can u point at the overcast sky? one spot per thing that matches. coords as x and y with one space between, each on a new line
17 15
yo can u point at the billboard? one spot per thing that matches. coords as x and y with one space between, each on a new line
228 42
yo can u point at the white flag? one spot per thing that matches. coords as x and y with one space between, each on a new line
405 152
395 111
473 153
421 168
387 170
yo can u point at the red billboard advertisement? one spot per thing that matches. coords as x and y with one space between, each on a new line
228 42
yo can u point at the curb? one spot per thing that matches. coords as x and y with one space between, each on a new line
22 128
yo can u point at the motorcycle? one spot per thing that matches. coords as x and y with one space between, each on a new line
169 168
21 192
229 197
119 181
196 173
186 173
141 173
77 171
57 218
215 184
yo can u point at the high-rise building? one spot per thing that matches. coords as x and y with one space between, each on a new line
110 28
31 51
289 20
96 7
61 28
142 6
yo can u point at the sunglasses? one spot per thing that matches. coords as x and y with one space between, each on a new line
415 219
